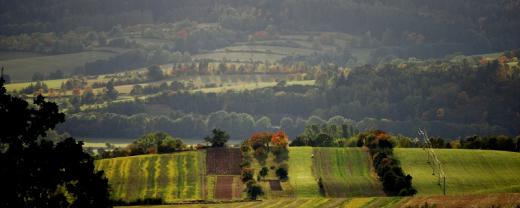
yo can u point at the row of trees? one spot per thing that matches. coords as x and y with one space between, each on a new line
391 175
131 60
259 146
151 143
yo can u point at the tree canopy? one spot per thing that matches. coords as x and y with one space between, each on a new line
37 172
219 138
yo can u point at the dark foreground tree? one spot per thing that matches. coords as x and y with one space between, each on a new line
219 138
36 172
254 190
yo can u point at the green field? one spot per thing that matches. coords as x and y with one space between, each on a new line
468 171
8 55
300 172
345 172
250 86
172 177
22 69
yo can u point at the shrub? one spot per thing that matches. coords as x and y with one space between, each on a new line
247 174
254 190
282 172
264 171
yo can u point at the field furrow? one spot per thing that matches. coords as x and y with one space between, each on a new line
172 177
345 172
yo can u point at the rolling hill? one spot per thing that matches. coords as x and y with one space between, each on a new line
467 171
345 173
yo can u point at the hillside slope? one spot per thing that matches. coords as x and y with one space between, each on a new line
345 172
468 171
300 172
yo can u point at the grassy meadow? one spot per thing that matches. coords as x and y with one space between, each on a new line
22 69
468 171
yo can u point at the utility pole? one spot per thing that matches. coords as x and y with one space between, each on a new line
444 184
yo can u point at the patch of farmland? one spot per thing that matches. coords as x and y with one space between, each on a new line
240 56
300 174
345 172
468 171
224 187
223 161
9 55
267 49
172 177
51 84
487 200
152 41
251 86
491 200
275 185
270 203
23 69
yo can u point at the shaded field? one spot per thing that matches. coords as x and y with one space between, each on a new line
276 203
491 200
468 171
241 56
223 161
22 69
268 49
345 172
474 201
172 177
8 55
300 172
250 86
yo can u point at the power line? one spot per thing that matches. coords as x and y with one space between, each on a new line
433 160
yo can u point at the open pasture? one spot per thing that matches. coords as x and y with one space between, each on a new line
467 171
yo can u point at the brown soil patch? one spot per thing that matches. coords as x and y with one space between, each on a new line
489 200
224 187
223 161
238 188
275 185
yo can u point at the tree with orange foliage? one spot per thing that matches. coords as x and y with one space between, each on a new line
260 139
280 139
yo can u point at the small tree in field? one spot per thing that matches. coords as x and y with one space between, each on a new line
254 190
264 171
219 138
